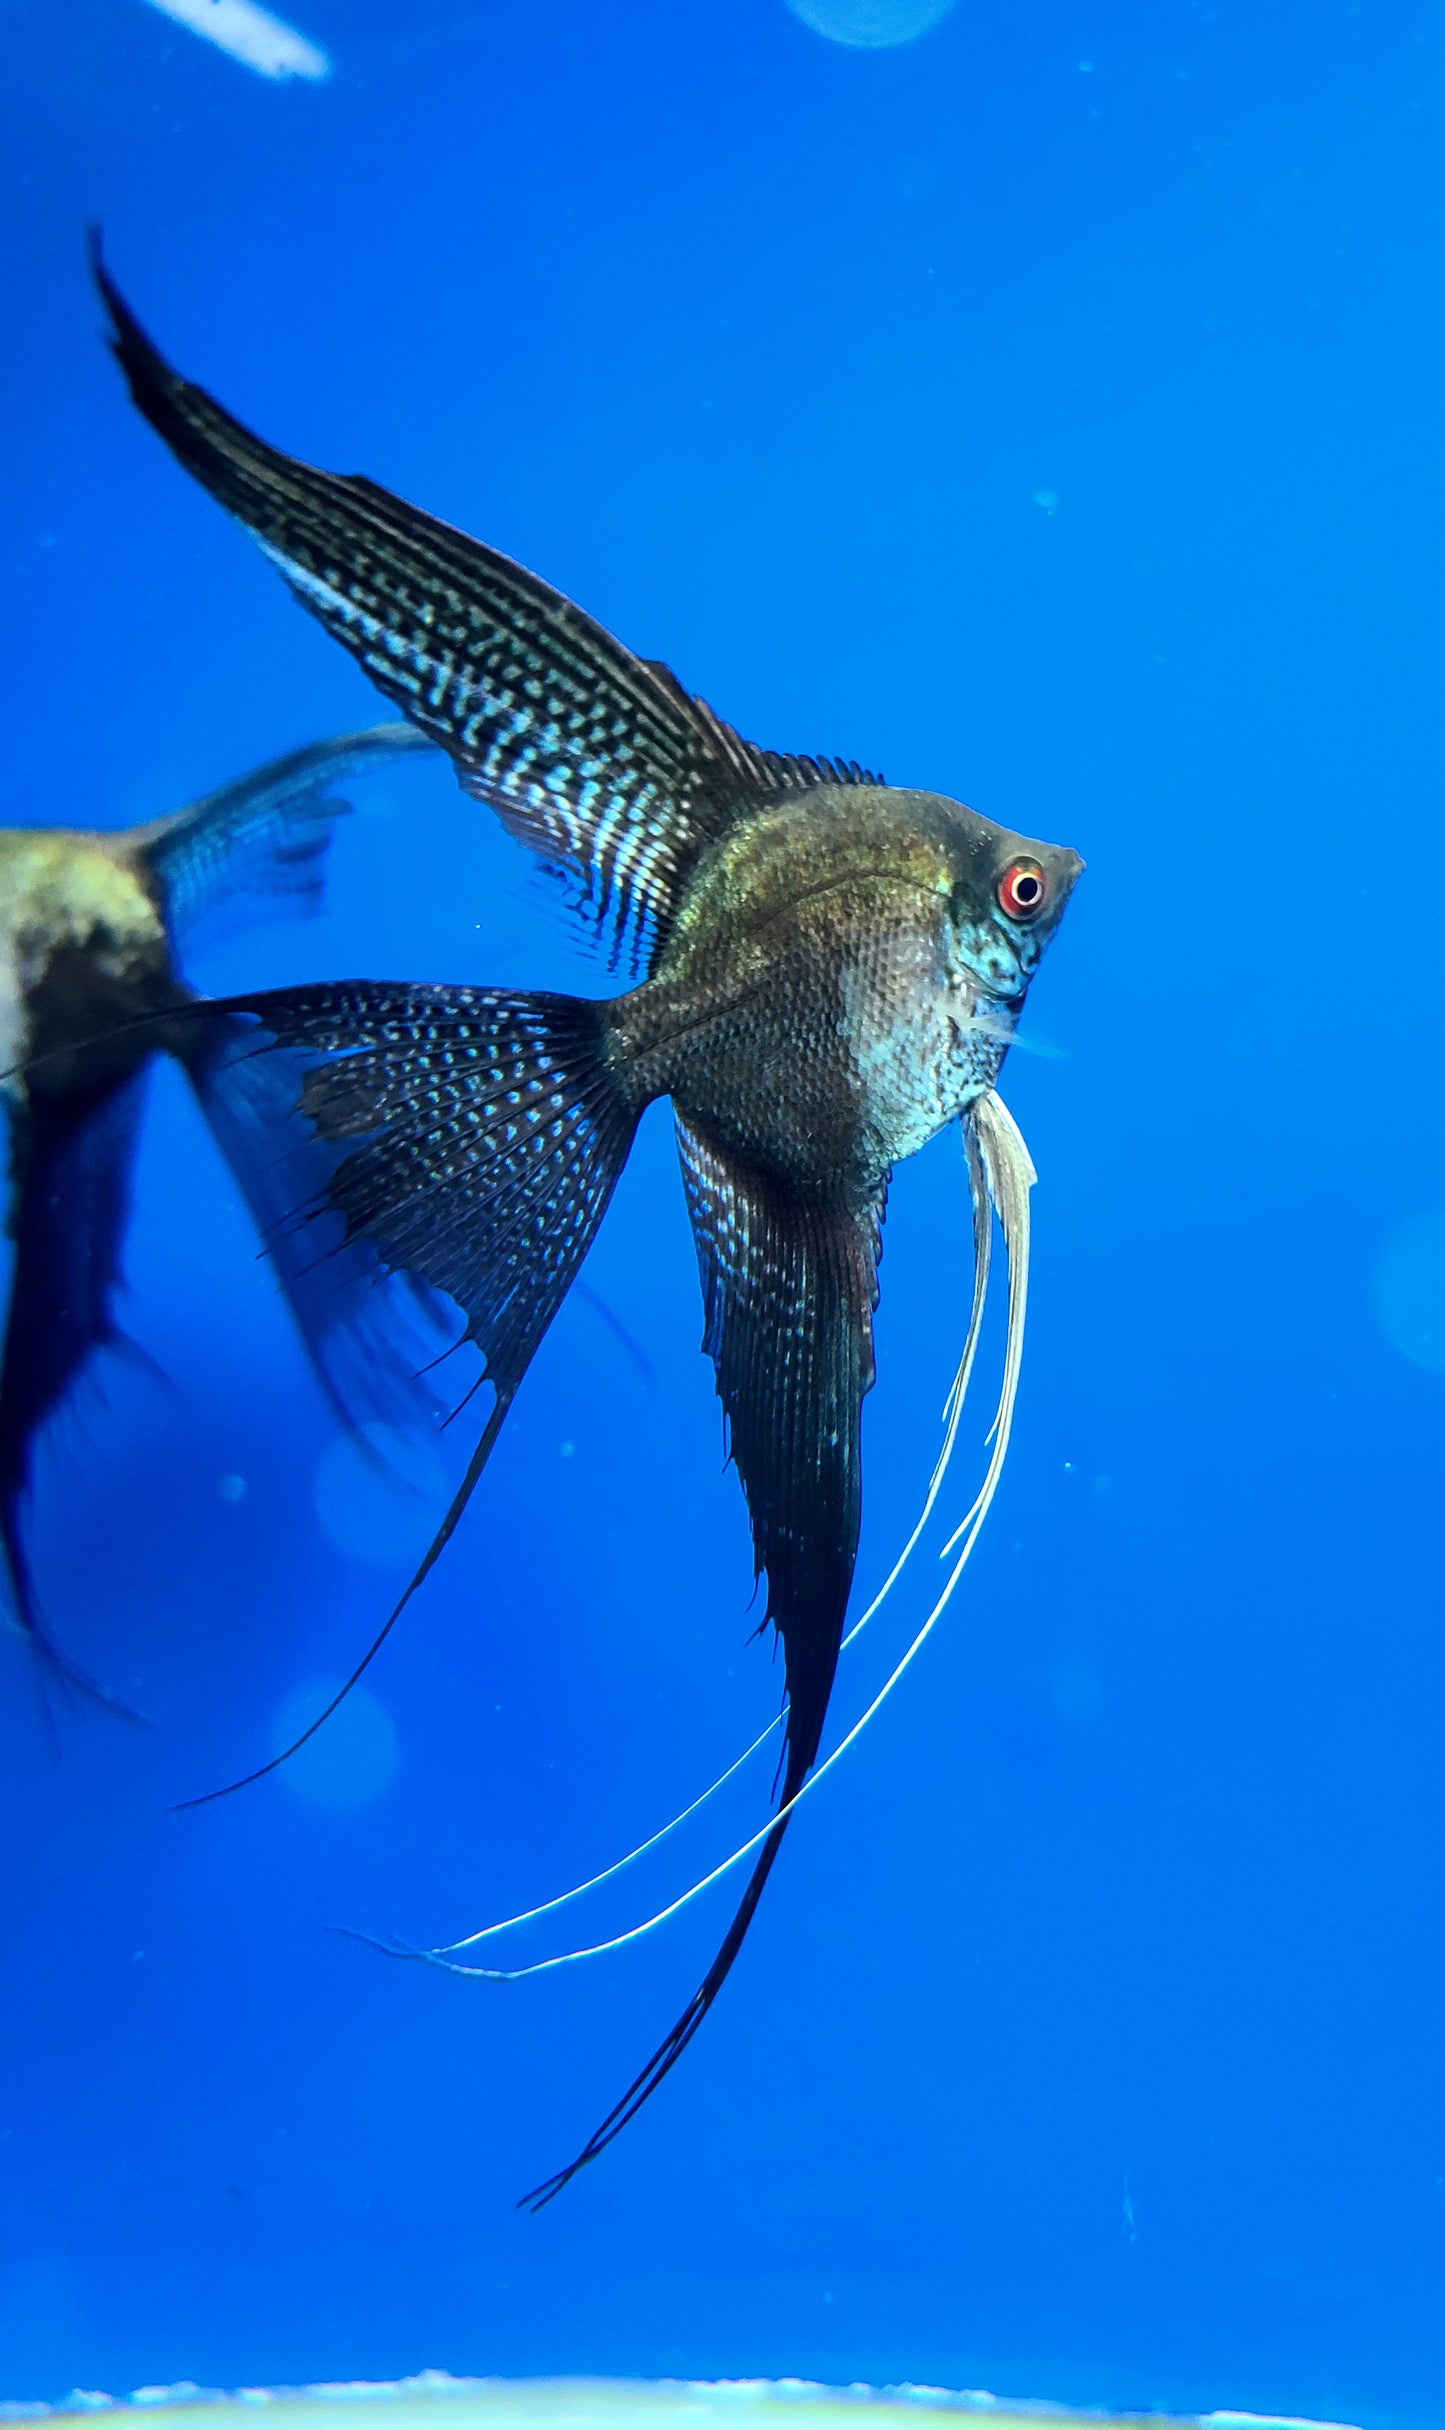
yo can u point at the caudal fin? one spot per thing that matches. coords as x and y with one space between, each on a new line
260 844
406 1148
371 1337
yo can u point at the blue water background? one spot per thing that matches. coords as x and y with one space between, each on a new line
1048 412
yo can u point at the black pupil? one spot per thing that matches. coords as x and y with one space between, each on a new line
1026 889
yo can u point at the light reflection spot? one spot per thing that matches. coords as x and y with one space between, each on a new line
1410 1289
378 1495
353 1756
871 25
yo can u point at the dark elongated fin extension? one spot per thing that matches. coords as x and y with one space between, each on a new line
434 1551
262 841
596 759
54 1661
671 2048
583 751
789 1291
460 1141
70 1176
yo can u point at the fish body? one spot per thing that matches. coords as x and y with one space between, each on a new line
818 1001
83 952
830 970
91 924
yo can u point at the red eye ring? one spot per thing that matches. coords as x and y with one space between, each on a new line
1023 890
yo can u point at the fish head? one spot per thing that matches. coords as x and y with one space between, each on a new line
1006 896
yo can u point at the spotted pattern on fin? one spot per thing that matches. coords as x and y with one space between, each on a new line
475 1136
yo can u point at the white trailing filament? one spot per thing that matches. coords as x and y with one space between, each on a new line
1002 1173
953 1412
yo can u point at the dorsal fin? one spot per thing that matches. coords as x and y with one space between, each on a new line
597 759
752 766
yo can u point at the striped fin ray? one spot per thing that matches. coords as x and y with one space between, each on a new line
594 758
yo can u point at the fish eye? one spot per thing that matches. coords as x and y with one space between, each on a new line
1023 890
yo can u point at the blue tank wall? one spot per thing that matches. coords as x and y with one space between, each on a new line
1046 411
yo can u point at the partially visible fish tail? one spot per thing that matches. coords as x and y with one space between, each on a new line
50 1656
70 1168
261 842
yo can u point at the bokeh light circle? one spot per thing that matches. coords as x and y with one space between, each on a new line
353 1756
1410 1289
872 25
378 1495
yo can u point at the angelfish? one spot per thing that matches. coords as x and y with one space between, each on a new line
90 926
830 970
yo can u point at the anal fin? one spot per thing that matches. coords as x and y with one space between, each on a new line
789 1289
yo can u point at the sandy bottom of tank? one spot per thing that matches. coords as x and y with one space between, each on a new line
435 2402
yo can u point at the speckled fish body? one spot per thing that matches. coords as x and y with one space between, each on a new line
836 986
830 968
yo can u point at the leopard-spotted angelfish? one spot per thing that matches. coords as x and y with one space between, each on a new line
830 970
90 924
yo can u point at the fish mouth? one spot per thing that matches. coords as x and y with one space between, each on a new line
982 990
983 1012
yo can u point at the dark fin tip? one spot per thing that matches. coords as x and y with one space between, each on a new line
55 1664
211 1797
439 1542
139 359
670 2049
